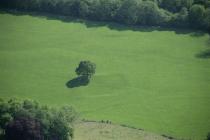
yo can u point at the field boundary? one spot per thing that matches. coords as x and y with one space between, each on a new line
126 126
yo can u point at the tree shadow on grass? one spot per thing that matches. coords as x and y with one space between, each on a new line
198 33
204 54
77 82
208 42
111 25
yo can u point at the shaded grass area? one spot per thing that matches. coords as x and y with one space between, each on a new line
147 78
110 25
77 82
204 54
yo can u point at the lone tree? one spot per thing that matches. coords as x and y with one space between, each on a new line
85 70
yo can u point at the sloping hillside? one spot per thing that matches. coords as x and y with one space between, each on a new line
103 131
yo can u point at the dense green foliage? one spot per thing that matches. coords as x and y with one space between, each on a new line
196 16
85 71
85 68
24 128
175 5
146 78
28 120
176 13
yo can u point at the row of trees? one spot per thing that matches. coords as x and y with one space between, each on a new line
28 120
177 13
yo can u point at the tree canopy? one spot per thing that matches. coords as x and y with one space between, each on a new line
85 68
24 128
196 15
29 120
85 71
167 13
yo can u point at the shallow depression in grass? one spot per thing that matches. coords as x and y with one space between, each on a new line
155 80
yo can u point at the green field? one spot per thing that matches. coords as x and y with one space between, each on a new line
148 79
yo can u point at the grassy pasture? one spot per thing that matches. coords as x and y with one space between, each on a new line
155 80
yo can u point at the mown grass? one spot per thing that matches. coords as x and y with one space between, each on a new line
149 79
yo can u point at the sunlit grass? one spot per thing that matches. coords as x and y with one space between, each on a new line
148 79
